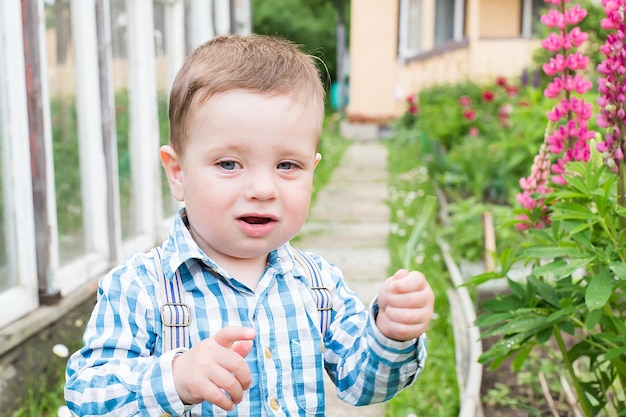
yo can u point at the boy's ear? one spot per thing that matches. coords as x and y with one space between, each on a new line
174 171
318 158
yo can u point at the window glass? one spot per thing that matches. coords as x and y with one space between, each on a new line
6 280
163 85
119 52
538 8
444 21
414 38
410 27
62 85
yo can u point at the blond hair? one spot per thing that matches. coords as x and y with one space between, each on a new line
257 63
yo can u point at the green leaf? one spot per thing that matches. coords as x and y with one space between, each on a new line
544 335
578 183
616 353
593 319
560 313
501 304
563 211
581 228
524 324
560 268
599 289
619 269
482 278
520 358
549 252
567 326
488 319
502 349
545 291
425 215
518 289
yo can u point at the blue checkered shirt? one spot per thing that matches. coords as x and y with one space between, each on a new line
121 370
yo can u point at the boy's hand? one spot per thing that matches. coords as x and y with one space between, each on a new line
214 370
405 304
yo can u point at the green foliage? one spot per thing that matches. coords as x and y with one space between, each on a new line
66 165
310 23
497 125
332 147
488 141
574 290
412 243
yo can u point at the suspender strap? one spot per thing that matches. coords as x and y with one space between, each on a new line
175 314
322 293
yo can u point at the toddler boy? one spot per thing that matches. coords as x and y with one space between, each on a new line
245 121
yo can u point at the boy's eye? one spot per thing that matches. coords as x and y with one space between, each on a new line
286 165
228 165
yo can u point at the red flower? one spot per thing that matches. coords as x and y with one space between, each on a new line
473 131
412 99
469 114
511 90
465 101
488 96
414 109
501 82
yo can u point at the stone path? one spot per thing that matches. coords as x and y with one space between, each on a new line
348 226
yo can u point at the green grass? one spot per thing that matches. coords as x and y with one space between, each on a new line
435 392
332 147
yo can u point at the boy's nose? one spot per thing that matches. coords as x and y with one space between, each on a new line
261 186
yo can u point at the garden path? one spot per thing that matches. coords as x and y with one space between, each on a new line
348 225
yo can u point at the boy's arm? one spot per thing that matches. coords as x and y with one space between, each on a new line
116 372
366 366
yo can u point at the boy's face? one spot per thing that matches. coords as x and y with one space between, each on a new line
246 175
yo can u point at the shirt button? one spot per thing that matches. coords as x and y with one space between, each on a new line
274 404
268 352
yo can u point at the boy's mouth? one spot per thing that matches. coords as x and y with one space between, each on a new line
256 220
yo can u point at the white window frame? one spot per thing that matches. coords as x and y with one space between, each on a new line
200 21
458 23
144 127
16 179
74 274
410 26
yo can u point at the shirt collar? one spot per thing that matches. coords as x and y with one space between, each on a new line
180 248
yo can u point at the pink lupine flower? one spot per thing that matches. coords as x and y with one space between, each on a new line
567 138
536 184
612 86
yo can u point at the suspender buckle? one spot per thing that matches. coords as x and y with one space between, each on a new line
326 302
175 315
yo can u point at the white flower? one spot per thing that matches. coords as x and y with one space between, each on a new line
63 411
61 350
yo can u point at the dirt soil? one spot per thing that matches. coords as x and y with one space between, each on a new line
32 370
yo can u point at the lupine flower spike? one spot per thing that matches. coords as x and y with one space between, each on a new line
569 140
612 92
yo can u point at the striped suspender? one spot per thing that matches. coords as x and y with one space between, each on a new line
322 293
175 314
